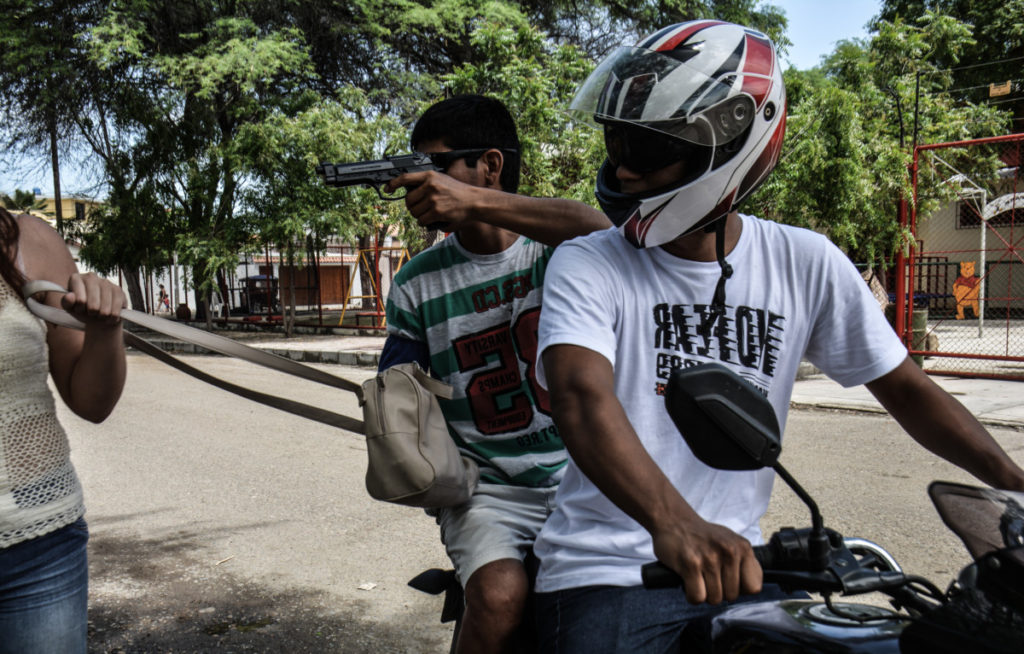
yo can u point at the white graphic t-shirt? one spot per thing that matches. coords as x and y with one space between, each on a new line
793 294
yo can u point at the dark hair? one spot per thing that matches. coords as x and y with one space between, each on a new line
473 121
9 233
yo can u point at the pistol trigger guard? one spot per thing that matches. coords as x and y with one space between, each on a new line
390 198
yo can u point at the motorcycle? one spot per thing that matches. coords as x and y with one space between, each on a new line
730 425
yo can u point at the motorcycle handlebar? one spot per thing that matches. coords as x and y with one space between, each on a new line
658 575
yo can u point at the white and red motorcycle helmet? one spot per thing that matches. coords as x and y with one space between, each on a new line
706 92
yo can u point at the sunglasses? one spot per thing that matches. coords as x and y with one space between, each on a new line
644 150
444 160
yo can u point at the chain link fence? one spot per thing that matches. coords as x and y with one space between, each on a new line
967 274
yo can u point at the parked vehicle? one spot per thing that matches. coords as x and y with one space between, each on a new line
259 292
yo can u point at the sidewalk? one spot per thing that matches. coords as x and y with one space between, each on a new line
997 403
357 349
994 402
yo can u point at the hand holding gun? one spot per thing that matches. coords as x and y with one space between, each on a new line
376 174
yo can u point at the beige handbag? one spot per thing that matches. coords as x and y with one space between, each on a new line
412 458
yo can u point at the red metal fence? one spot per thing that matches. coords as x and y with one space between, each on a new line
965 273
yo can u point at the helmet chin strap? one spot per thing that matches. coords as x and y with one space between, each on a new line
718 303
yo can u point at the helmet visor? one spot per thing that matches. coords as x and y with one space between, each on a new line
645 150
659 90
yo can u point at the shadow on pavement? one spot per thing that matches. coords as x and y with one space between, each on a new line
161 595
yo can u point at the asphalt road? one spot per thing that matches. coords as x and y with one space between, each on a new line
219 525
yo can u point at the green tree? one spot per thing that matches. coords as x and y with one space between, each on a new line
287 205
23 202
844 163
994 56
205 75
206 118
596 27
43 70
536 79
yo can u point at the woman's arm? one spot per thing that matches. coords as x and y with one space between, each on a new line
88 368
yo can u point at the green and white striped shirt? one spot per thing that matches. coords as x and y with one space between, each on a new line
478 315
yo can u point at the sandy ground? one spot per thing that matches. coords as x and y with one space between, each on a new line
219 525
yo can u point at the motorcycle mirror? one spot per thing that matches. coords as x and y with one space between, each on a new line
727 422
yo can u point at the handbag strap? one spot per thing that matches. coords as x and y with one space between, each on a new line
214 343
435 386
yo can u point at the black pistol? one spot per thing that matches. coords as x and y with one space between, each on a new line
376 173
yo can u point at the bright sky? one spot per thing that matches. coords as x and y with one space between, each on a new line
814 28
816 25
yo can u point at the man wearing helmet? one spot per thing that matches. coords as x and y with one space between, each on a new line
694 118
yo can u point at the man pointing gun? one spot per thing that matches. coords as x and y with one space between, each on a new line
466 309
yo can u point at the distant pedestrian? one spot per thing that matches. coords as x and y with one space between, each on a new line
164 303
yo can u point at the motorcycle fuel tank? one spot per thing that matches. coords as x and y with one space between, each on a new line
806 627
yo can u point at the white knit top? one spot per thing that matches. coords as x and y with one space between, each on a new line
39 491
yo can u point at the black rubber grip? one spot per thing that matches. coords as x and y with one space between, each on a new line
658 575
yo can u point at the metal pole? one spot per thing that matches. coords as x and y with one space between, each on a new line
917 103
981 270
176 278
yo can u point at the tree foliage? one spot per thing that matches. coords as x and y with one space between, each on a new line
844 164
995 55
42 64
206 119
22 202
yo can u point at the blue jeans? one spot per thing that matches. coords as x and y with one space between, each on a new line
44 591
596 619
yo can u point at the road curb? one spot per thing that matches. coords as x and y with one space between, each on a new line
864 408
359 358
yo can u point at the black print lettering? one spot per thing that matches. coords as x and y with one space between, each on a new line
664 329
532 439
491 297
707 321
772 340
750 331
745 335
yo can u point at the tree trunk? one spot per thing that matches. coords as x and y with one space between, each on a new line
202 304
222 286
55 164
207 312
131 279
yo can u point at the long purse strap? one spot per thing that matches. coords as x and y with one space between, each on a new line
435 386
215 343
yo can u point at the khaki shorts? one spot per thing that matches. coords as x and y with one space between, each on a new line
498 522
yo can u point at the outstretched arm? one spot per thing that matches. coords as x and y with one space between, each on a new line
714 562
88 368
936 420
438 198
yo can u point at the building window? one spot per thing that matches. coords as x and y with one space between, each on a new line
968 216
79 211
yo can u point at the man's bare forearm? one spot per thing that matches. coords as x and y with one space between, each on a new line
941 424
602 442
547 220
